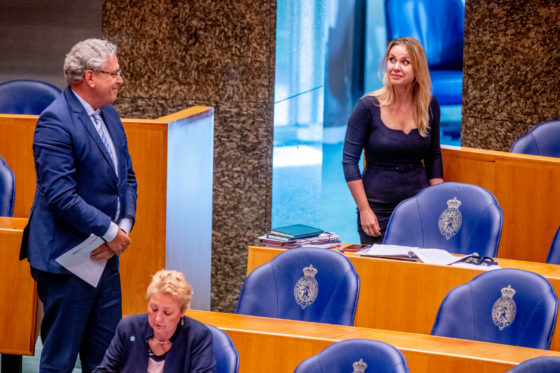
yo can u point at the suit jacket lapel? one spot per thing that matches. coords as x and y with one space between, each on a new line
79 115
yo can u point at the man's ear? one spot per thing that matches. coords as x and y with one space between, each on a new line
88 77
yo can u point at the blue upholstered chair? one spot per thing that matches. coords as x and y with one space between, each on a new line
543 139
508 306
24 96
541 364
227 358
7 189
439 26
457 217
303 284
352 354
554 252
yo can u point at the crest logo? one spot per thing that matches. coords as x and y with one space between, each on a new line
451 219
359 366
504 309
307 287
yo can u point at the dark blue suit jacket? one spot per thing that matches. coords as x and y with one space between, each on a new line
192 349
77 188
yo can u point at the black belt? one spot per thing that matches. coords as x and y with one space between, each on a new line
398 167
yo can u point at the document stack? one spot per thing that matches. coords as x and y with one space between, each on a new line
299 235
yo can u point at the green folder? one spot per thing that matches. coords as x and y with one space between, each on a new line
296 231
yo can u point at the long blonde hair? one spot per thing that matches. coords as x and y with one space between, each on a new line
421 88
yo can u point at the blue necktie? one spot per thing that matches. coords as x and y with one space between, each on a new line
104 137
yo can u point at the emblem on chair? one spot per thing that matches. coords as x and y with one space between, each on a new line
451 219
307 287
504 309
359 366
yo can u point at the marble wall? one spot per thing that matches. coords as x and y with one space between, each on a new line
176 54
511 70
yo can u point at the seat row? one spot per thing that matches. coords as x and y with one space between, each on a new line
506 306
457 217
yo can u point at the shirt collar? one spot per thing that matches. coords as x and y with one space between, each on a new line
87 107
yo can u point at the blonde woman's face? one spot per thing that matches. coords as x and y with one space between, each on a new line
399 66
164 314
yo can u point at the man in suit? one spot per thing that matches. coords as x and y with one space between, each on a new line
85 185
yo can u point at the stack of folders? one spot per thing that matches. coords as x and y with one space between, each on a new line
299 235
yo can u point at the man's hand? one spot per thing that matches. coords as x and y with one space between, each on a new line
120 242
103 252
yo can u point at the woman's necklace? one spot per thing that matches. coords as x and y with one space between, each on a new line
160 342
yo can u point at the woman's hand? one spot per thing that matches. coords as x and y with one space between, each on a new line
370 225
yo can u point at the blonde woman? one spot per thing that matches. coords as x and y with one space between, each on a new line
398 127
164 339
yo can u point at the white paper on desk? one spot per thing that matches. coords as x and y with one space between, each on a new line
476 266
430 256
77 260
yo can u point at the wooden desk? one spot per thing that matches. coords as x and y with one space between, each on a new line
525 186
172 157
405 296
275 345
17 291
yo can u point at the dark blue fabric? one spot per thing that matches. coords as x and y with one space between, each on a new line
77 189
270 290
416 221
341 356
78 318
541 364
439 26
227 357
466 311
192 349
394 169
554 252
77 194
543 139
7 189
24 96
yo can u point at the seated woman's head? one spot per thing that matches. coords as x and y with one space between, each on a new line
169 295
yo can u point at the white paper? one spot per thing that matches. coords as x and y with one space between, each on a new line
77 260
429 256
476 266
436 256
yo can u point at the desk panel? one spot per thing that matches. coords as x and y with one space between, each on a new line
17 291
148 143
405 296
525 186
275 345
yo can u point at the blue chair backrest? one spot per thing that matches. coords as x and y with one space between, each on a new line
457 217
7 189
541 364
305 284
543 139
227 357
25 96
352 354
554 252
437 24
508 306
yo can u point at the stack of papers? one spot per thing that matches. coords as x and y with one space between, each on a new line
325 240
417 254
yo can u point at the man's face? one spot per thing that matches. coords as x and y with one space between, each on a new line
107 82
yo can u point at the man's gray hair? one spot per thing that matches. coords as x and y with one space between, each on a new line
90 54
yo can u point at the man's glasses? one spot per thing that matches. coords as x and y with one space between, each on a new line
476 259
114 75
